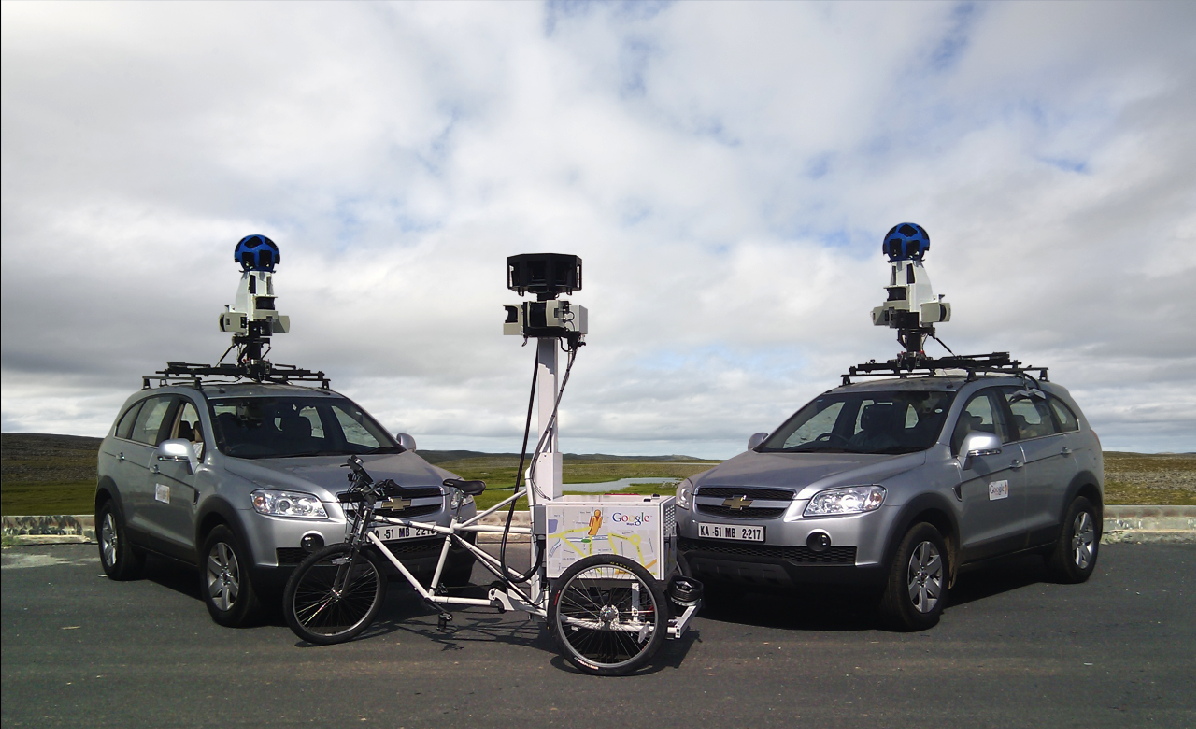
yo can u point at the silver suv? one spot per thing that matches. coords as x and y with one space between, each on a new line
900 484
241 480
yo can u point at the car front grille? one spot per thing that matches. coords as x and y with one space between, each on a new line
751 492
406 546
409 512
291 555
802 555
744 513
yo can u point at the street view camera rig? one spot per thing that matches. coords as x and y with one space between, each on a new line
252 320
912 308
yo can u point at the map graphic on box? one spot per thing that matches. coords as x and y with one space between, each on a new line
641 528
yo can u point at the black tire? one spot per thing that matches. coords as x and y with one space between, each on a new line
329 600
225 580
916 589
607 615
119 558
1074 556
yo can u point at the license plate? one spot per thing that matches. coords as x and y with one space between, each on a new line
391 533
731 531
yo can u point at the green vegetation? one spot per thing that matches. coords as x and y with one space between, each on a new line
499 474
1150 478
47 499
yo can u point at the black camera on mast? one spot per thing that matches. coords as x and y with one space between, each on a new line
547 275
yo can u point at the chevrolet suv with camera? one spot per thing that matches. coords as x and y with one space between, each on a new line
899 484
242 481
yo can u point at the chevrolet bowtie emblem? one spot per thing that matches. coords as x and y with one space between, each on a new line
395 504
738 503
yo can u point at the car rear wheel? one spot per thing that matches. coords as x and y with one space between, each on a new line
916 590
120 559
1074 556
226 584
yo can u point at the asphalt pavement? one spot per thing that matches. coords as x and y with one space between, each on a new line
1012 650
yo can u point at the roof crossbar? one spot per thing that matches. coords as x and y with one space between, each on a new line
923 366
258 371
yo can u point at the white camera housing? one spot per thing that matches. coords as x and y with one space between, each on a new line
255 303
912 303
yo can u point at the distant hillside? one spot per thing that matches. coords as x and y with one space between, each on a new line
51 458
48 458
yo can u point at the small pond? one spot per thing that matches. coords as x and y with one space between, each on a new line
666 485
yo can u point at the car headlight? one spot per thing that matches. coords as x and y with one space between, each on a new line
294 504
685 493
843 501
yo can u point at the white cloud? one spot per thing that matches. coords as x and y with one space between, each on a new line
726 171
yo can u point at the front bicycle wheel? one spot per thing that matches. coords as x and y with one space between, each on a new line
333 596
607 615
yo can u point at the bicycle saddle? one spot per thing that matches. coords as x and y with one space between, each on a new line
471 488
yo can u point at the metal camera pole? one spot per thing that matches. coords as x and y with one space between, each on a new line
549 320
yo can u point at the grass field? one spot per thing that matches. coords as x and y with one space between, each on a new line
55 474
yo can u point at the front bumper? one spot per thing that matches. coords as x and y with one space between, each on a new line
855 555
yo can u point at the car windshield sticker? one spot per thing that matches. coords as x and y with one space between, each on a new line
998 490
162 493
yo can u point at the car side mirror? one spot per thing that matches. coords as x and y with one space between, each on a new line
755 441
179 450
978 443
406 441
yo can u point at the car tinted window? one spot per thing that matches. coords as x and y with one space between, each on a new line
189 427
148 426
981 414
124 429
864 422
1067 419
351 422
1031 414
287 427
821 422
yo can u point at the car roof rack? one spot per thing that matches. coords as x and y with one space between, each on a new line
919 365
226 372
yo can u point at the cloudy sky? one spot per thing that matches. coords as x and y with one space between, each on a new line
726 172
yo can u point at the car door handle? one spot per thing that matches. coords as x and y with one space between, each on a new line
121 456
1016 464
154 469
1065 451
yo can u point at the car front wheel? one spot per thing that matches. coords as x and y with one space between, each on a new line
226 584
916 590
1074 556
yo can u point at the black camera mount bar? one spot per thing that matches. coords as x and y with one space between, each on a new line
923 366
227 373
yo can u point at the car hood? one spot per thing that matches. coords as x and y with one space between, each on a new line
808 472
327 475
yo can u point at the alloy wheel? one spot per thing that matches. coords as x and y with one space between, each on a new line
1082 540
925 574
109 539
223 576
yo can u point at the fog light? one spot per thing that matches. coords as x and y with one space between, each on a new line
818 541
312 542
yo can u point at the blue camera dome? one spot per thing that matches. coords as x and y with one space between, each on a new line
906 242
256 253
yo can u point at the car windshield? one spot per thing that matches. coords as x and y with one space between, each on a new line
864 422
289 427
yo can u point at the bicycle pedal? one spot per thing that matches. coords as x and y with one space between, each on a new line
443 621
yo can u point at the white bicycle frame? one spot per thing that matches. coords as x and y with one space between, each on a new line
505 600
